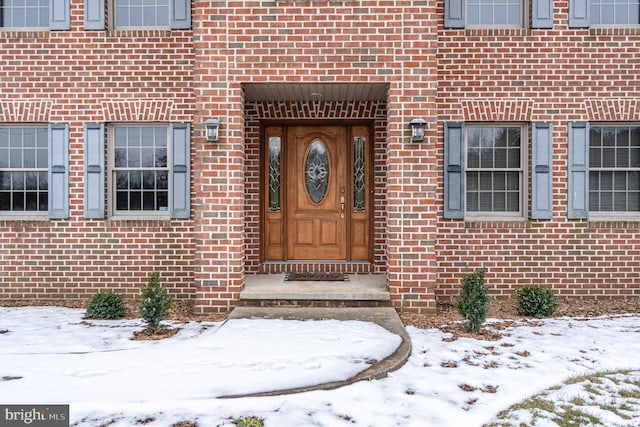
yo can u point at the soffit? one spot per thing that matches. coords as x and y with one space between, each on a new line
305 92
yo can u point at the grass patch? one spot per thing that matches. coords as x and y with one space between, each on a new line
579 401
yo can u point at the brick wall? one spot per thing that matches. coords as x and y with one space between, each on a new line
75 77
554 75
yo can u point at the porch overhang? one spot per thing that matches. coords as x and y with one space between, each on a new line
307 92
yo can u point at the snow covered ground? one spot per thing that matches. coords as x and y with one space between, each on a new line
51 355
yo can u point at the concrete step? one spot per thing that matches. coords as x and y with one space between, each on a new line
358 287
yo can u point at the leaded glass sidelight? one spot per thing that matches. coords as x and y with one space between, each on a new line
274 173
359 168
316 171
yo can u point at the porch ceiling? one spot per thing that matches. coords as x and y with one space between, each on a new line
304 92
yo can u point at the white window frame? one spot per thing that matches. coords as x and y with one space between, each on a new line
524 18
610 215
521 214
15 214
114 21
111 181
613 25
28 28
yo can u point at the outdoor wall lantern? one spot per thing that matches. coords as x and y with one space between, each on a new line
212 129
417 129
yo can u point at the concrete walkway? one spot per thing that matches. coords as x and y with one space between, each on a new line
386 317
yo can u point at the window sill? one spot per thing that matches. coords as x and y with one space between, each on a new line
629 30
496 32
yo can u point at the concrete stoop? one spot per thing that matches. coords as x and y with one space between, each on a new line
387 317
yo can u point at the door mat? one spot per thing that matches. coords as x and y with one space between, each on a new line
312 277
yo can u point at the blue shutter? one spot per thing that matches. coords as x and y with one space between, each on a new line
454 13
541 171
578 169
180 14
454 170
179 183
94 14
59 15
94 170
59 171
542 11
579 14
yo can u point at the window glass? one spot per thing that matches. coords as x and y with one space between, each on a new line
615 12
494 169
24 13
140 168
23 169
142 13
614 169
494 12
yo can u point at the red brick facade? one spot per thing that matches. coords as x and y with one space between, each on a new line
556 75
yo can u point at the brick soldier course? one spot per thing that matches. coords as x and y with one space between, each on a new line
554 78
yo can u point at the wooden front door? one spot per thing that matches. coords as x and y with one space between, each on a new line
316 197
316 190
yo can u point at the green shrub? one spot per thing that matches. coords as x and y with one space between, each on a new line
106 305
473 303
249 421
536 301
155 304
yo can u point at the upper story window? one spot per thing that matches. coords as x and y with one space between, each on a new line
614 169
494 13
35 14
24 13
615 12
142 13
24 169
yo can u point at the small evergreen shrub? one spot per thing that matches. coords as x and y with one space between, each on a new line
155 304
106 305
249 421
536 301
473 303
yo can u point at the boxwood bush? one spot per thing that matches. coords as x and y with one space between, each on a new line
536 301
106 305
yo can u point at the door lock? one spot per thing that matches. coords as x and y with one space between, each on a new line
341 206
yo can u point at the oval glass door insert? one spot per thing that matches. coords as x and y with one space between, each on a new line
316 171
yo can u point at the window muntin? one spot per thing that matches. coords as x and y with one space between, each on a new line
615 12
24 181
494 170
142 13
495 13
24 13
614 169
140 169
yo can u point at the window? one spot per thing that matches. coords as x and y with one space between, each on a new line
174 14
140 172
494 171
494 13
25 13
603 171
484 171
148 173
34 170
48 14
614 169
142 13
24 169
498 13
615 12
